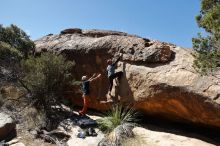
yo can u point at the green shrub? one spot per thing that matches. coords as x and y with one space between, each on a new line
14 45
17 38
46 77
118 125
8 53
115 117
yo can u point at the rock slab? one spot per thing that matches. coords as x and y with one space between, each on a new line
158 77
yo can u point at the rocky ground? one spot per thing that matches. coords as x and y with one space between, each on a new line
156 138
150 134
153 135
88 141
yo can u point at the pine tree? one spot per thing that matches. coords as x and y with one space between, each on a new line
207 47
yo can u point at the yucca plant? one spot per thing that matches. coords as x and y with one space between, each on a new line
117 116
118 125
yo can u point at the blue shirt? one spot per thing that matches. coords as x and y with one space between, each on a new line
85 88
110 70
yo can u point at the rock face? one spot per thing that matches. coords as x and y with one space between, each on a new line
158 77
7 126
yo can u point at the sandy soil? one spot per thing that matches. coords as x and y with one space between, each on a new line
151 133
155 138
145 137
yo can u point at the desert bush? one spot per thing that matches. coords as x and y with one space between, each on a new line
15 44
118 125
117 116
33 118
17 38
9 60
46 77
1 101
8 53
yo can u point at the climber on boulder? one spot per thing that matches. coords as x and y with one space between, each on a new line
86 91
111 72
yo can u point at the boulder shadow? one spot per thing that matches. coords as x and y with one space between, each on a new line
160 124
123 92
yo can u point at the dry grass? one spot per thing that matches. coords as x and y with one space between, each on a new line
29 140
137 140
33 118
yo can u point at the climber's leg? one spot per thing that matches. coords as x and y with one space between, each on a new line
110 83
85 105
118 76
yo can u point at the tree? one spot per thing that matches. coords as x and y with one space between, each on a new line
46 77
8 54
15 44
17 38
207 47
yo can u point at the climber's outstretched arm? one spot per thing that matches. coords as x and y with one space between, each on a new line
93 78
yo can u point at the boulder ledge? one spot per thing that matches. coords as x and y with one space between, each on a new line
158 77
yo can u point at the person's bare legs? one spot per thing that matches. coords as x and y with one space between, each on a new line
85 105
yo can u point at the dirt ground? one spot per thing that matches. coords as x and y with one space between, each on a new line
151 132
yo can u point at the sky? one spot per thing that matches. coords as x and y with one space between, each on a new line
165 20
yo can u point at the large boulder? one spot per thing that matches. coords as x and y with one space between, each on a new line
158 77
7 126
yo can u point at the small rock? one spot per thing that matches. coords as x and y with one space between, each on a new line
18 144
7 126
13 141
